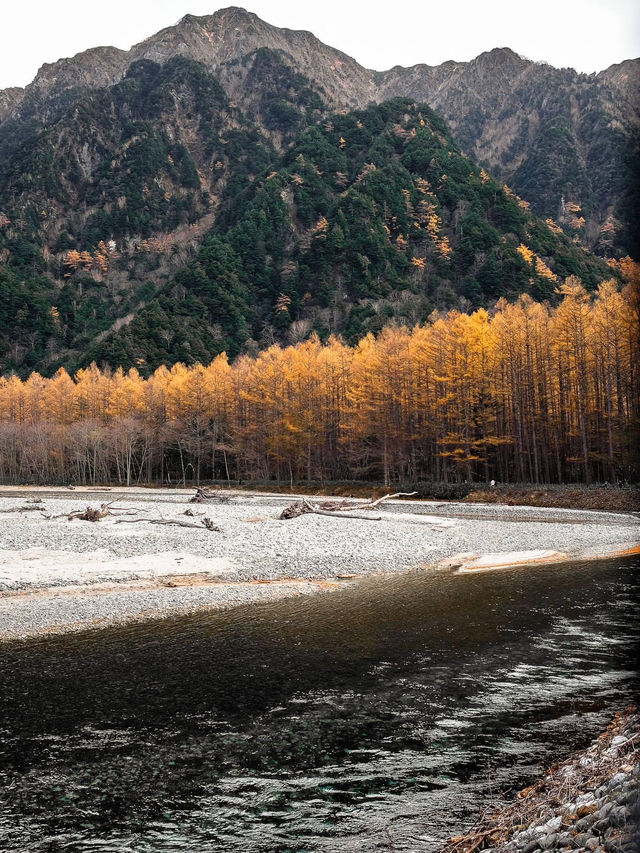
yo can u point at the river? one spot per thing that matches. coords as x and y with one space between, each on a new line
383 716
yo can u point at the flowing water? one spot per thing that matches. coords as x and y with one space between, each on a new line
383 716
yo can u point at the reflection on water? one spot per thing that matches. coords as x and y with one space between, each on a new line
386 711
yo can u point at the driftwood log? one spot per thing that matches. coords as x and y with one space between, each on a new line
90 513
339 509
204 522
202 497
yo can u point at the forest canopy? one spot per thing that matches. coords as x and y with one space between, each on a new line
526 392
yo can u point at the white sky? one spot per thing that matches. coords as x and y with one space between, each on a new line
588 35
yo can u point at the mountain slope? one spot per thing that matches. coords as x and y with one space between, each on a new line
179 213
552 134
317 223
111 199
371 217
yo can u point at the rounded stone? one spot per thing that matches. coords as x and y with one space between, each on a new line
600 826
620 816
587 799
549 841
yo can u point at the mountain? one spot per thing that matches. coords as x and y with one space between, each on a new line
214 40
551 133
116 195
215 188
156 221
370 217
567 142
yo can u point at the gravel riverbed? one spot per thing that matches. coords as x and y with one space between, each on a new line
57 574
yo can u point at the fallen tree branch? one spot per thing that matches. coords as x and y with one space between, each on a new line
340 509
90 513
205 522
345 515
373 503
133 520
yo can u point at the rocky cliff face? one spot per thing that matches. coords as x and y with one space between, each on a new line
9 100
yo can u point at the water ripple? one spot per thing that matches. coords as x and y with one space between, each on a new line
389 711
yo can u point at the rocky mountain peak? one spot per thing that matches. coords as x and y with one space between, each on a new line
501 59
625 76
57 84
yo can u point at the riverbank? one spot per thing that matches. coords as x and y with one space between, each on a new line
150 558
606 497
590 802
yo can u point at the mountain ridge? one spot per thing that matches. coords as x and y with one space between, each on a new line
553 134
300 221
148 49
189 209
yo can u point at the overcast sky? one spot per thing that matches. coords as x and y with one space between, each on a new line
588 35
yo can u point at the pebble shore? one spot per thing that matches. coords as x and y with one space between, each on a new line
59 575
588 804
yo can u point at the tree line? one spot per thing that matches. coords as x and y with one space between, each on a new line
524 392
